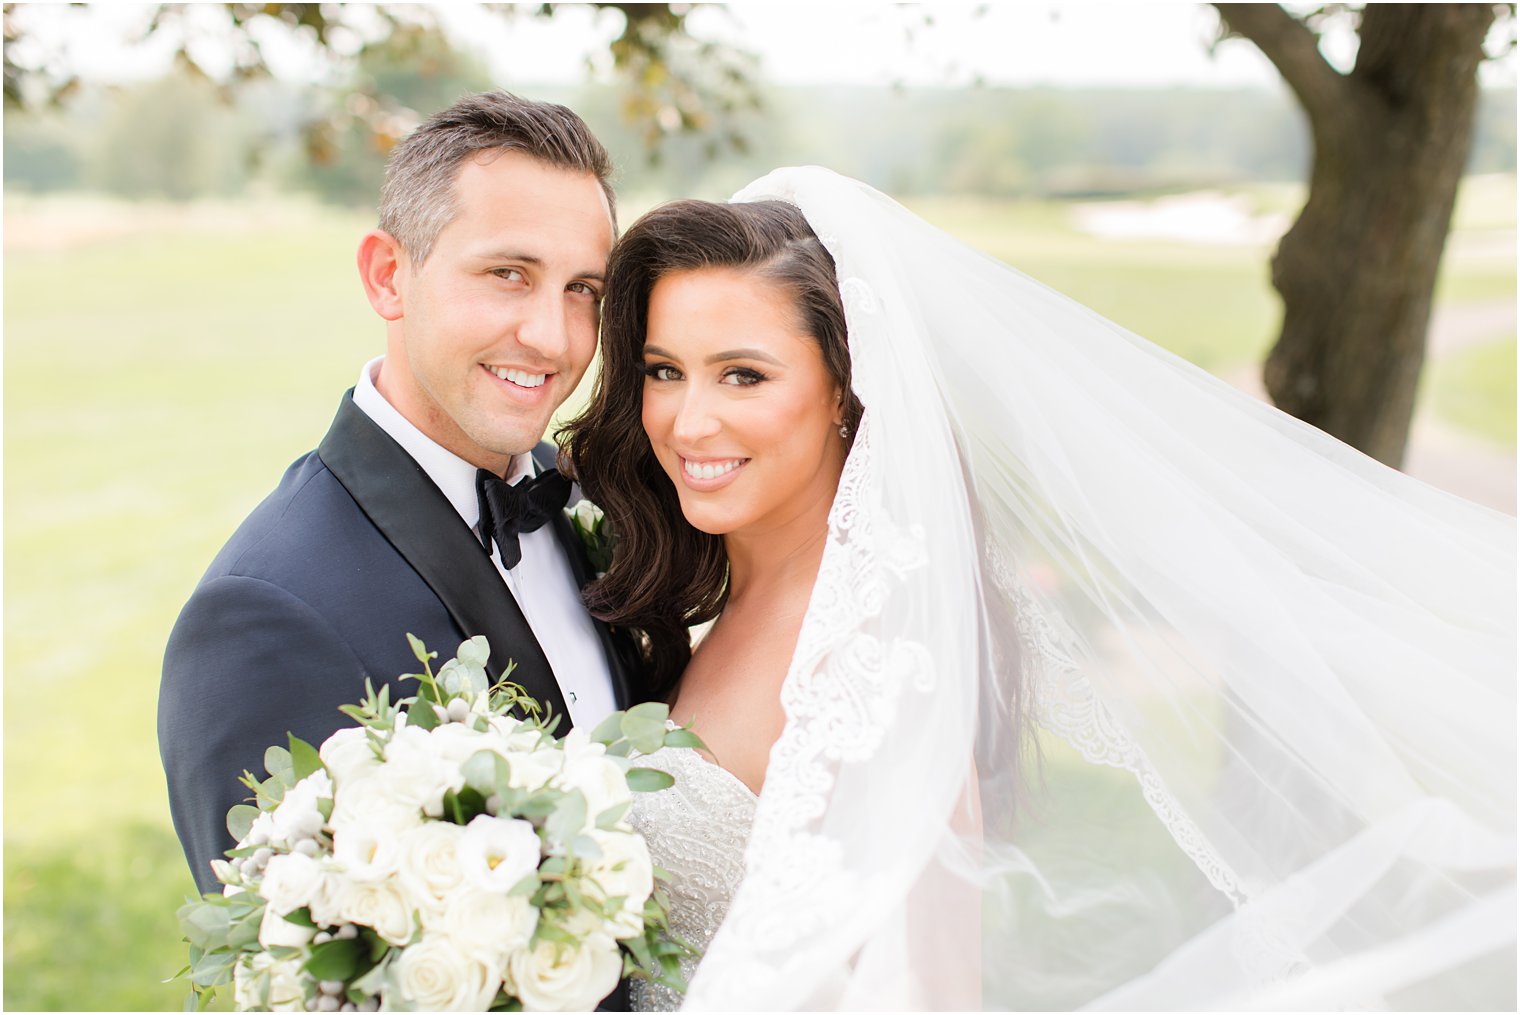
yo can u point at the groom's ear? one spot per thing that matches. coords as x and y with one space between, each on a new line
380 262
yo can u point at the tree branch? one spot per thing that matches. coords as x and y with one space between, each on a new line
1294 50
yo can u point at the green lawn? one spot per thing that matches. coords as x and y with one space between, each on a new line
162 367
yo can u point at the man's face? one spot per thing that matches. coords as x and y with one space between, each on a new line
500 321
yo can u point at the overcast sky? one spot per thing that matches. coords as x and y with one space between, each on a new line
1134 44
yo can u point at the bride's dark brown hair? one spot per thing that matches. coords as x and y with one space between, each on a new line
668 575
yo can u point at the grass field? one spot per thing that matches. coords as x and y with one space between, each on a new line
162 367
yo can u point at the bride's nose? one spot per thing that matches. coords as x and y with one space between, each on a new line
696 418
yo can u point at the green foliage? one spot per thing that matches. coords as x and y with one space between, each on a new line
1474 389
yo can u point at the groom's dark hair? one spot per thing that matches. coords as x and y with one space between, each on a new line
668 575
417 198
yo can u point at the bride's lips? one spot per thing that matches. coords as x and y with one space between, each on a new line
518 383
705 475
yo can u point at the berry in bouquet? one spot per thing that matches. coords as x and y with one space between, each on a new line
443 854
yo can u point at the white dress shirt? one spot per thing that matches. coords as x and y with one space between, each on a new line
542 582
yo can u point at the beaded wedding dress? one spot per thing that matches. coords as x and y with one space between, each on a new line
696 831
1116 688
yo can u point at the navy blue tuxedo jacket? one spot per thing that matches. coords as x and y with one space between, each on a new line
316 591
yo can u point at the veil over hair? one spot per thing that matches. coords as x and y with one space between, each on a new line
1274 683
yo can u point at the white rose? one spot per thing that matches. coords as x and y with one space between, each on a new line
297 817
264 982
349 754
624 869
381 906
532 769
276 931
458 743
368 800
487 925
429 869
497 853
587 513
588 769
552 977
415 773
435 974
291 880
327 903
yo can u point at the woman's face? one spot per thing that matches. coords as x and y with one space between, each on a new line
739 408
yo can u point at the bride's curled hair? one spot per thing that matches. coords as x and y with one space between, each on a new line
668 575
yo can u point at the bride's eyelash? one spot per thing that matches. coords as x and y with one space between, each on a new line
653 370
745 376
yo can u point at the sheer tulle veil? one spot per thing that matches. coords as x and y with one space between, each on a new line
1272 682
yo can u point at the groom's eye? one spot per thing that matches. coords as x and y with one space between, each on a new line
507 274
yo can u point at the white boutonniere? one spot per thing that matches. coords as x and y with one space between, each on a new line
596 534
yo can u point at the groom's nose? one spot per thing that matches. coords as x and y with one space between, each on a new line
544 327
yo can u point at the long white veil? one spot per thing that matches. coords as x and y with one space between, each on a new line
1274 683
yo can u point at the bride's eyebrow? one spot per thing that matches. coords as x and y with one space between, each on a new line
720 357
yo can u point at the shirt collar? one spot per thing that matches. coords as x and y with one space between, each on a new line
450 473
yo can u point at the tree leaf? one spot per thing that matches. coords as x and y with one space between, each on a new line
648 780
611 816
421 714
609 729
419 650
277 763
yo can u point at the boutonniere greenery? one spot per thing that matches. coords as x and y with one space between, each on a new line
596 534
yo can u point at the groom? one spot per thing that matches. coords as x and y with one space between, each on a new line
495 223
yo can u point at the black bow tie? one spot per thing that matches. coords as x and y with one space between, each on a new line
508 509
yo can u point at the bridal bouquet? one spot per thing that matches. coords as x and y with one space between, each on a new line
441 855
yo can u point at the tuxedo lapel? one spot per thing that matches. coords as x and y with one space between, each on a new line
423 527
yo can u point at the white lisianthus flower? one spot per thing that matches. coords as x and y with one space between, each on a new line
264 982
297 817
430 869
588 769
366 853
436 974
624 869
291 880
381 906
497 853
416 774
488 925
348 754
276 931
554 977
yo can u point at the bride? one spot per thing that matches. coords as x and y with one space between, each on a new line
1046 670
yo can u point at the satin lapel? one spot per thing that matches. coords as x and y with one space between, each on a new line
581 569
413 514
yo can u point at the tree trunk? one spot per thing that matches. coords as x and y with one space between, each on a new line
1357 271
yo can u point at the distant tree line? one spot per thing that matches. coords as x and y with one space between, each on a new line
175 138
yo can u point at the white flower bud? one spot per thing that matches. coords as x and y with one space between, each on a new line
322 938
328 1003
333 987
308 847
346 931
459 710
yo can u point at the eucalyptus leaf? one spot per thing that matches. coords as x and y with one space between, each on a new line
419 650
240 820
611 816
304 759
684 738
277 762
648 780
654 711
568 819
421 714
609 729
205 923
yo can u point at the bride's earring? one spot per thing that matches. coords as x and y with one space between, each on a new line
844 430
